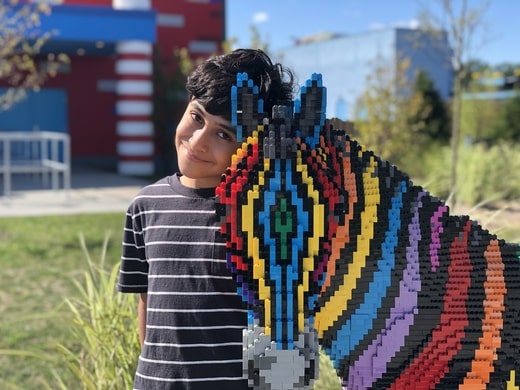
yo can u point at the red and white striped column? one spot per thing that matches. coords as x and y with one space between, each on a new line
134 106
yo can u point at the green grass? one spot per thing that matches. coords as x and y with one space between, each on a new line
40 259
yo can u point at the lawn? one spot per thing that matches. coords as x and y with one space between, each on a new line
41 259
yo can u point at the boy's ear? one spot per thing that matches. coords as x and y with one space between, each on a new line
247 110
310 109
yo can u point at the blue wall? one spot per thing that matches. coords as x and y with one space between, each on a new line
73 26
45 110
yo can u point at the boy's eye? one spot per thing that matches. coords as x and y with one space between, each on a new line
225 136
196 117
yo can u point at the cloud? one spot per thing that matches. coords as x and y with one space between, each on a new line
412 23
260 17
376 26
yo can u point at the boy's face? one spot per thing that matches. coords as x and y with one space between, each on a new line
205 144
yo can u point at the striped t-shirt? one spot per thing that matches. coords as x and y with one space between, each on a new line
173 251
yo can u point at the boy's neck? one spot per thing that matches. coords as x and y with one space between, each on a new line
199 183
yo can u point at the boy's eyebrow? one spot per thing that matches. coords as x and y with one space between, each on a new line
226 126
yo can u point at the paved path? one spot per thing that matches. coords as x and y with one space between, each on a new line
93 191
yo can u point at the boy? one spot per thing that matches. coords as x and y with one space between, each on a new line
190 316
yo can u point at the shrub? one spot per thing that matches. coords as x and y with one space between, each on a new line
485 173
104 328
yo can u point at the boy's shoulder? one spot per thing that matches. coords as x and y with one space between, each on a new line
164 186
160 186
152 192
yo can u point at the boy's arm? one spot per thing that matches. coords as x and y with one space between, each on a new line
141 317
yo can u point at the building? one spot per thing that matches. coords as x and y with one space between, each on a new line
494 86
346 60
104 98
490 106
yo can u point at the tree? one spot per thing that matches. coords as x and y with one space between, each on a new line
473 67
461 26
170 72
390 117
508 69
479 110
432 110
21 63
508 124
256 39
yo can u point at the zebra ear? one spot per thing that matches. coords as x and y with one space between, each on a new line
310 109
246 108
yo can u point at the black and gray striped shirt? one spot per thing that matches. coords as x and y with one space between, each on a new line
172 250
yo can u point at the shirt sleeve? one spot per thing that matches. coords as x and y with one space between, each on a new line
133 272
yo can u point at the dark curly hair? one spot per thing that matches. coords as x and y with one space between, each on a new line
210 83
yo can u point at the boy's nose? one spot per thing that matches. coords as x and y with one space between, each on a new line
199 140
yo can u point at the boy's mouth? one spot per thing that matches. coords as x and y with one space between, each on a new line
192 156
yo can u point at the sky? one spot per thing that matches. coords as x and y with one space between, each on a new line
281 22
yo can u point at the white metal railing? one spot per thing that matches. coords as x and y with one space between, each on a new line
37 152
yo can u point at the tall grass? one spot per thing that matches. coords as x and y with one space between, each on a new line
485 173
104 330
40 258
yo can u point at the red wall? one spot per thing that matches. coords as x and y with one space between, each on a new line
90 111
202 22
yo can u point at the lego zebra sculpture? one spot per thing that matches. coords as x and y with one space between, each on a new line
333 247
